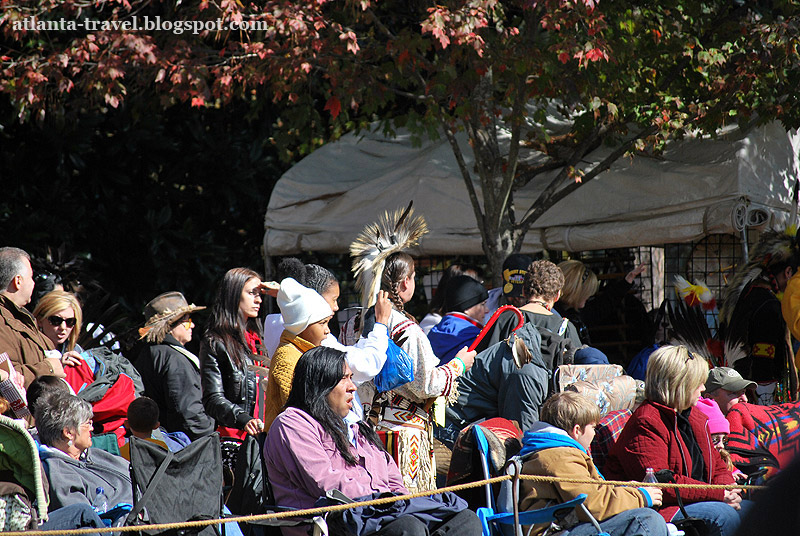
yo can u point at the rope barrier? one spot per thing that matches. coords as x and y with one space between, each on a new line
634 484
310 512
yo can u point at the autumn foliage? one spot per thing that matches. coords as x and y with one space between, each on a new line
632 75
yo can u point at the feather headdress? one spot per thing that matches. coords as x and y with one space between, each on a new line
697 294
772 249
688 320
393 232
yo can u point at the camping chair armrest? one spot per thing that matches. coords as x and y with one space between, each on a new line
317 520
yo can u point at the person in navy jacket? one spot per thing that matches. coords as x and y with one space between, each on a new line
465 300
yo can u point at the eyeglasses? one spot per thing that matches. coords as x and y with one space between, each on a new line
719 440
186 322
56 321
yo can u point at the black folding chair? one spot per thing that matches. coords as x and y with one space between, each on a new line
251 493
171 487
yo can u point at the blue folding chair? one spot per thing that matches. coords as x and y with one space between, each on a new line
496 523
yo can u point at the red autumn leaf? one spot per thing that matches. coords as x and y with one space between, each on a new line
596 54
333 106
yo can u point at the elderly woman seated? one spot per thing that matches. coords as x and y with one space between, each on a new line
310 449
74 469
23 497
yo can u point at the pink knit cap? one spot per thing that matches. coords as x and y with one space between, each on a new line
717 423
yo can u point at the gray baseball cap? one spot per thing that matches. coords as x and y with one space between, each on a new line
728 379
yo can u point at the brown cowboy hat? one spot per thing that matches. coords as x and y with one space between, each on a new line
161 312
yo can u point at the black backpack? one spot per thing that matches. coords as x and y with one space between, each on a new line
249 494
556 349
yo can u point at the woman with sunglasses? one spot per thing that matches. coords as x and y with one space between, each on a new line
669 432
58 315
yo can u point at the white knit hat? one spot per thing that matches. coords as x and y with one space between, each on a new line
300 306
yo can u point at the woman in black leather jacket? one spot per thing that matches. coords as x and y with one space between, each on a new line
227 351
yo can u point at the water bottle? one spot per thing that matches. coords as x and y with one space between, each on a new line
650 477
100 503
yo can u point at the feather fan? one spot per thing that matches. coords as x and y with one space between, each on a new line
697 294
691 330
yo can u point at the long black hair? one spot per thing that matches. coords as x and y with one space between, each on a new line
316 374
226 321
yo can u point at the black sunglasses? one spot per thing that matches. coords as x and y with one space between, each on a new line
56 321
689 355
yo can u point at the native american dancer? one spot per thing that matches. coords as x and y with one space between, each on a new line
403 415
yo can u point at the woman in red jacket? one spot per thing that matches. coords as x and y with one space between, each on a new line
667 432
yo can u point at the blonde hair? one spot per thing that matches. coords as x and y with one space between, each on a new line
569 408
580 283
673 375
726 457
55 302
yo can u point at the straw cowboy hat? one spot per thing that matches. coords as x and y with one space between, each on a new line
161 312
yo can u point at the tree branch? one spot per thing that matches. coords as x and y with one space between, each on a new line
533 171
465 174
577 154
543 204
513 153
380 25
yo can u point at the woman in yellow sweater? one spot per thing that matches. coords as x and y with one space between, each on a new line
305 321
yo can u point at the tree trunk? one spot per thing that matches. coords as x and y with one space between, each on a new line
495 168
501 246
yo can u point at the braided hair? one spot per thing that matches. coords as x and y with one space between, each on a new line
398 266
319 278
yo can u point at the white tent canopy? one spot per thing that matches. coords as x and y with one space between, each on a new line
698 187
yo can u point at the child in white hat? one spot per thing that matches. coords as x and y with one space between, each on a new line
305 320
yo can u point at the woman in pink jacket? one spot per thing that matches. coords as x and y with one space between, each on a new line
668 432
310 449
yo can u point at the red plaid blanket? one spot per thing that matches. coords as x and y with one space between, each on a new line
606 433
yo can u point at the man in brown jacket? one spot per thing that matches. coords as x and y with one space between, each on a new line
25 345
